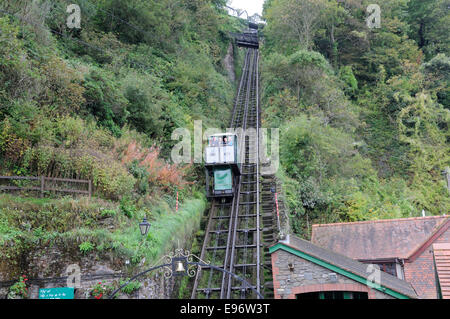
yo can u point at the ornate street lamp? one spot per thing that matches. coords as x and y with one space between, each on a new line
144 227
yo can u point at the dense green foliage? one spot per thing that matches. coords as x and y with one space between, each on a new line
73 100
364 113
151 66
101 103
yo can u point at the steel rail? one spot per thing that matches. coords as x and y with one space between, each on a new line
251 111
244 233
258 217
235 121
235 218
243 107
239 89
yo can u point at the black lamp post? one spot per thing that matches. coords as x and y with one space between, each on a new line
144 227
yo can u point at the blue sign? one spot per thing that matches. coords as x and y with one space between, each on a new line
56 293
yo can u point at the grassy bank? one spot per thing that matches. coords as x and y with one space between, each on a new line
95 228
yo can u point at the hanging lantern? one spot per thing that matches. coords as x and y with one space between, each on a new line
144 227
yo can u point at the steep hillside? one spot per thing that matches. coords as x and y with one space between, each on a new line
100 102
363 112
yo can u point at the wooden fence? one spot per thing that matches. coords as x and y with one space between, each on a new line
47 184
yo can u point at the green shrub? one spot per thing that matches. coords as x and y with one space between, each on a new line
18 289
127 208
131 287
101 291
346 75
86 247
105 101
108 213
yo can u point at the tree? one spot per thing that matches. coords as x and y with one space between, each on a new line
423 125
430 25
437 76
295 21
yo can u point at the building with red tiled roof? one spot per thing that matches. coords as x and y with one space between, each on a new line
409 248
302 270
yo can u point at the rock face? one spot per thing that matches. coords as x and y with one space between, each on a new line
54 267
229 63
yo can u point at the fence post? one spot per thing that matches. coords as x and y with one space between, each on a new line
90 189
42 185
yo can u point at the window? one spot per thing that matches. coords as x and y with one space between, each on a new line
390 268
393 268
333 295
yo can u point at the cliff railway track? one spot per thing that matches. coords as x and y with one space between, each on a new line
236 234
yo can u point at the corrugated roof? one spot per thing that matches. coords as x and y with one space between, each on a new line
442 260
379 239
349 265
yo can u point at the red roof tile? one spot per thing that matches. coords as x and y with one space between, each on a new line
379 239
442 261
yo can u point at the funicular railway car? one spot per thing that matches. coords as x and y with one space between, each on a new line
221 165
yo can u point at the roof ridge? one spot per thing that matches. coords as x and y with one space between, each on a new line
430 239
381 221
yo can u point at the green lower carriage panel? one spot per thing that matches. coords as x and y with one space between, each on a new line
223 179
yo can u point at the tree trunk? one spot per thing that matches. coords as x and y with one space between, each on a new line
422 35
333 48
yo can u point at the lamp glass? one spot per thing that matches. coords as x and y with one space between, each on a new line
144 227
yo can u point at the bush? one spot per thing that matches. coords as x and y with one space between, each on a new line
127 208
310 149
105 101
19 289
101 291
346 75
62 89
17 74
131 287
157 171
86 247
